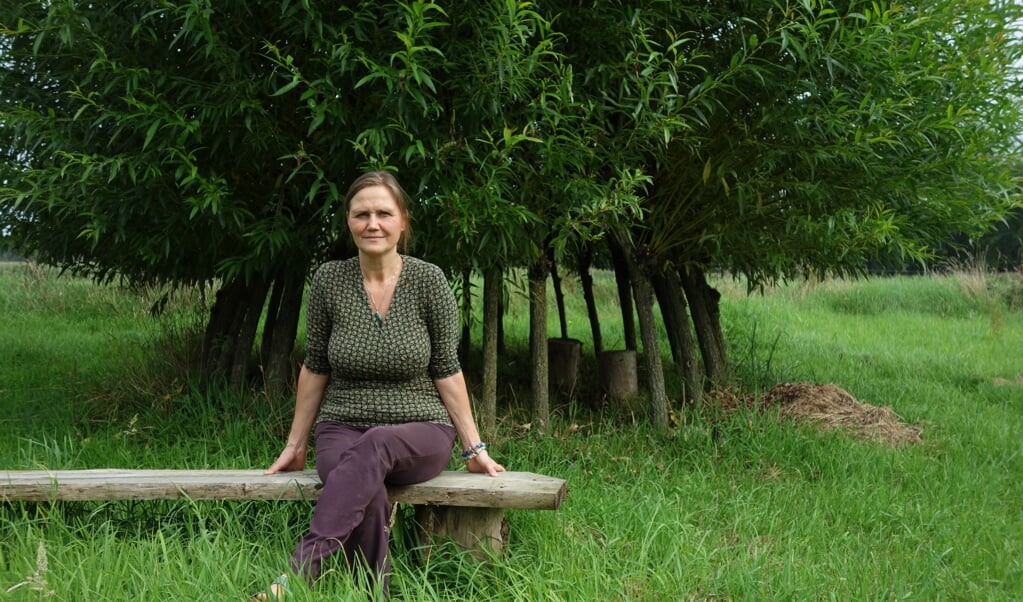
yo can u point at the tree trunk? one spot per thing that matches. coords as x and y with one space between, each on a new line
652 350
637 263
714 309
273 304
229 344
218 336
559 295
586 280
644 294
670 298
538 343
703 304
501 349
491 319
252 311
277 358
623 280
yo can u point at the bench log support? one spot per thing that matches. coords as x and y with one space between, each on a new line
482 530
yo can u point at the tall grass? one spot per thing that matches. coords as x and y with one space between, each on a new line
728 506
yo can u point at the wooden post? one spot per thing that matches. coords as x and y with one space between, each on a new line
619 377
563 355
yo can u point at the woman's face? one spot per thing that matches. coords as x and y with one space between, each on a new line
375 221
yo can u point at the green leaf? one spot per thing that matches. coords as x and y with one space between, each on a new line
288 87
150 133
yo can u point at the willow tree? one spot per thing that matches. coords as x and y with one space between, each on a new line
505 160
201 143
787 138
859 133
639 70
142 141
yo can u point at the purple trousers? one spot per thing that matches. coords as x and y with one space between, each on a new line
353 512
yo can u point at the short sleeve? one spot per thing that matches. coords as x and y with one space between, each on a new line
442 321
319 321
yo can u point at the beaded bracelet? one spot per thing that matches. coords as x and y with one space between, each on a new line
473 451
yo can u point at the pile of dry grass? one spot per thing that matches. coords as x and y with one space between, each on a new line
830 407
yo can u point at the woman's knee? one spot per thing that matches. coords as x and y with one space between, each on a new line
332 441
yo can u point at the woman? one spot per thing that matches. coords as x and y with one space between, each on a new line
381 384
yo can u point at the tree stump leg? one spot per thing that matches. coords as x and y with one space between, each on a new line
482 530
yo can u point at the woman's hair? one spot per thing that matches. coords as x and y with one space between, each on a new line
387 180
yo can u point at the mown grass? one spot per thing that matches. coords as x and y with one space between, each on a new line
727 506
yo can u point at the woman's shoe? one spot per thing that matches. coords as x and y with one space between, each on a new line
277 590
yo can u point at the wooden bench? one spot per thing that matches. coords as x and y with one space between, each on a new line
466 507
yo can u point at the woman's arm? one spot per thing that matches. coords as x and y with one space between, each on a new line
455 396
307 403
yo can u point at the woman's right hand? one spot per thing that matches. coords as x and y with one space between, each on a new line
292 458
307 402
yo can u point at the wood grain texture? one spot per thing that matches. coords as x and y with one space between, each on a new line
451 488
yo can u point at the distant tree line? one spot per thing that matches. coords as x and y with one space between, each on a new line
999 249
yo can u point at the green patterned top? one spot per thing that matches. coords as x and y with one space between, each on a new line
382 373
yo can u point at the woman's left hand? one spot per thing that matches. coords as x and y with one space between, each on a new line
484 464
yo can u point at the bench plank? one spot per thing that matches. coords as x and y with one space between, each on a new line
451 488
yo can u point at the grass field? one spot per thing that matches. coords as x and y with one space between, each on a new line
736 505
